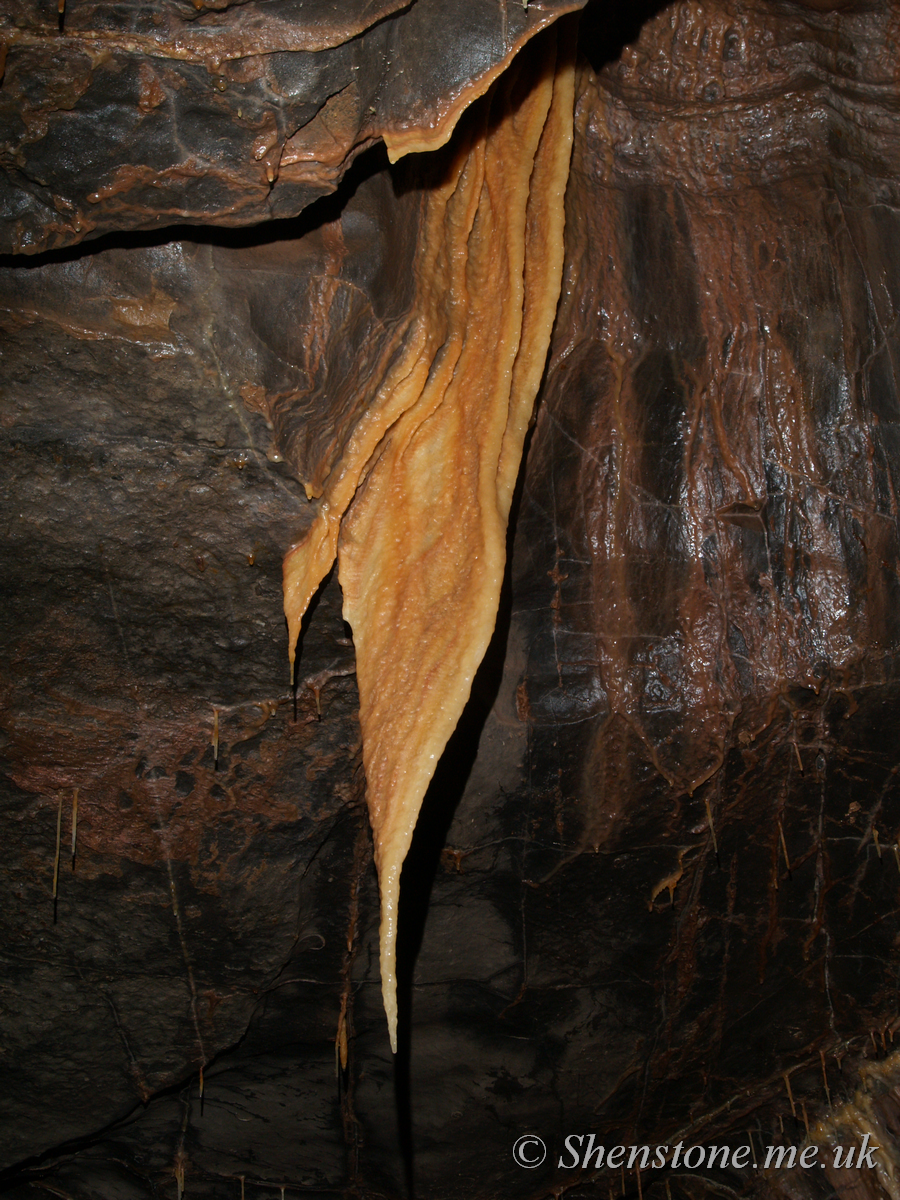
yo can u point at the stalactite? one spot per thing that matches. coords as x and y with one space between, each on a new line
416 508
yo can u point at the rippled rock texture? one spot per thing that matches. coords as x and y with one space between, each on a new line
653 891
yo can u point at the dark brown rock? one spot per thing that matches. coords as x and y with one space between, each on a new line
138 116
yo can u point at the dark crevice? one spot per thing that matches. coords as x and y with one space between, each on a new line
606 29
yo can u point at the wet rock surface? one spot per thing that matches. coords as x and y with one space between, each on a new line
657 871
139 116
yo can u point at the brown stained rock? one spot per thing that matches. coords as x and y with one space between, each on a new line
137 116
710 624
655 883
142 611
736 479
222 29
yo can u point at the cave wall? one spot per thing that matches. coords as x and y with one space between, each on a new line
657 869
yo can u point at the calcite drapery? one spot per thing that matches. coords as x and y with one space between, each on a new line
417 506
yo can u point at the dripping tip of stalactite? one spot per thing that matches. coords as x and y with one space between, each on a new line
74 824
179 1174
787 1083
56 858
825 1077
389 997
712 831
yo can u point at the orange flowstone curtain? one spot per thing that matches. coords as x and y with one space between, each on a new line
416 509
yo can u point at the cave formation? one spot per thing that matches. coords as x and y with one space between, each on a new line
652 893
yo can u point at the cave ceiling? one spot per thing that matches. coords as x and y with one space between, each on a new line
653 889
